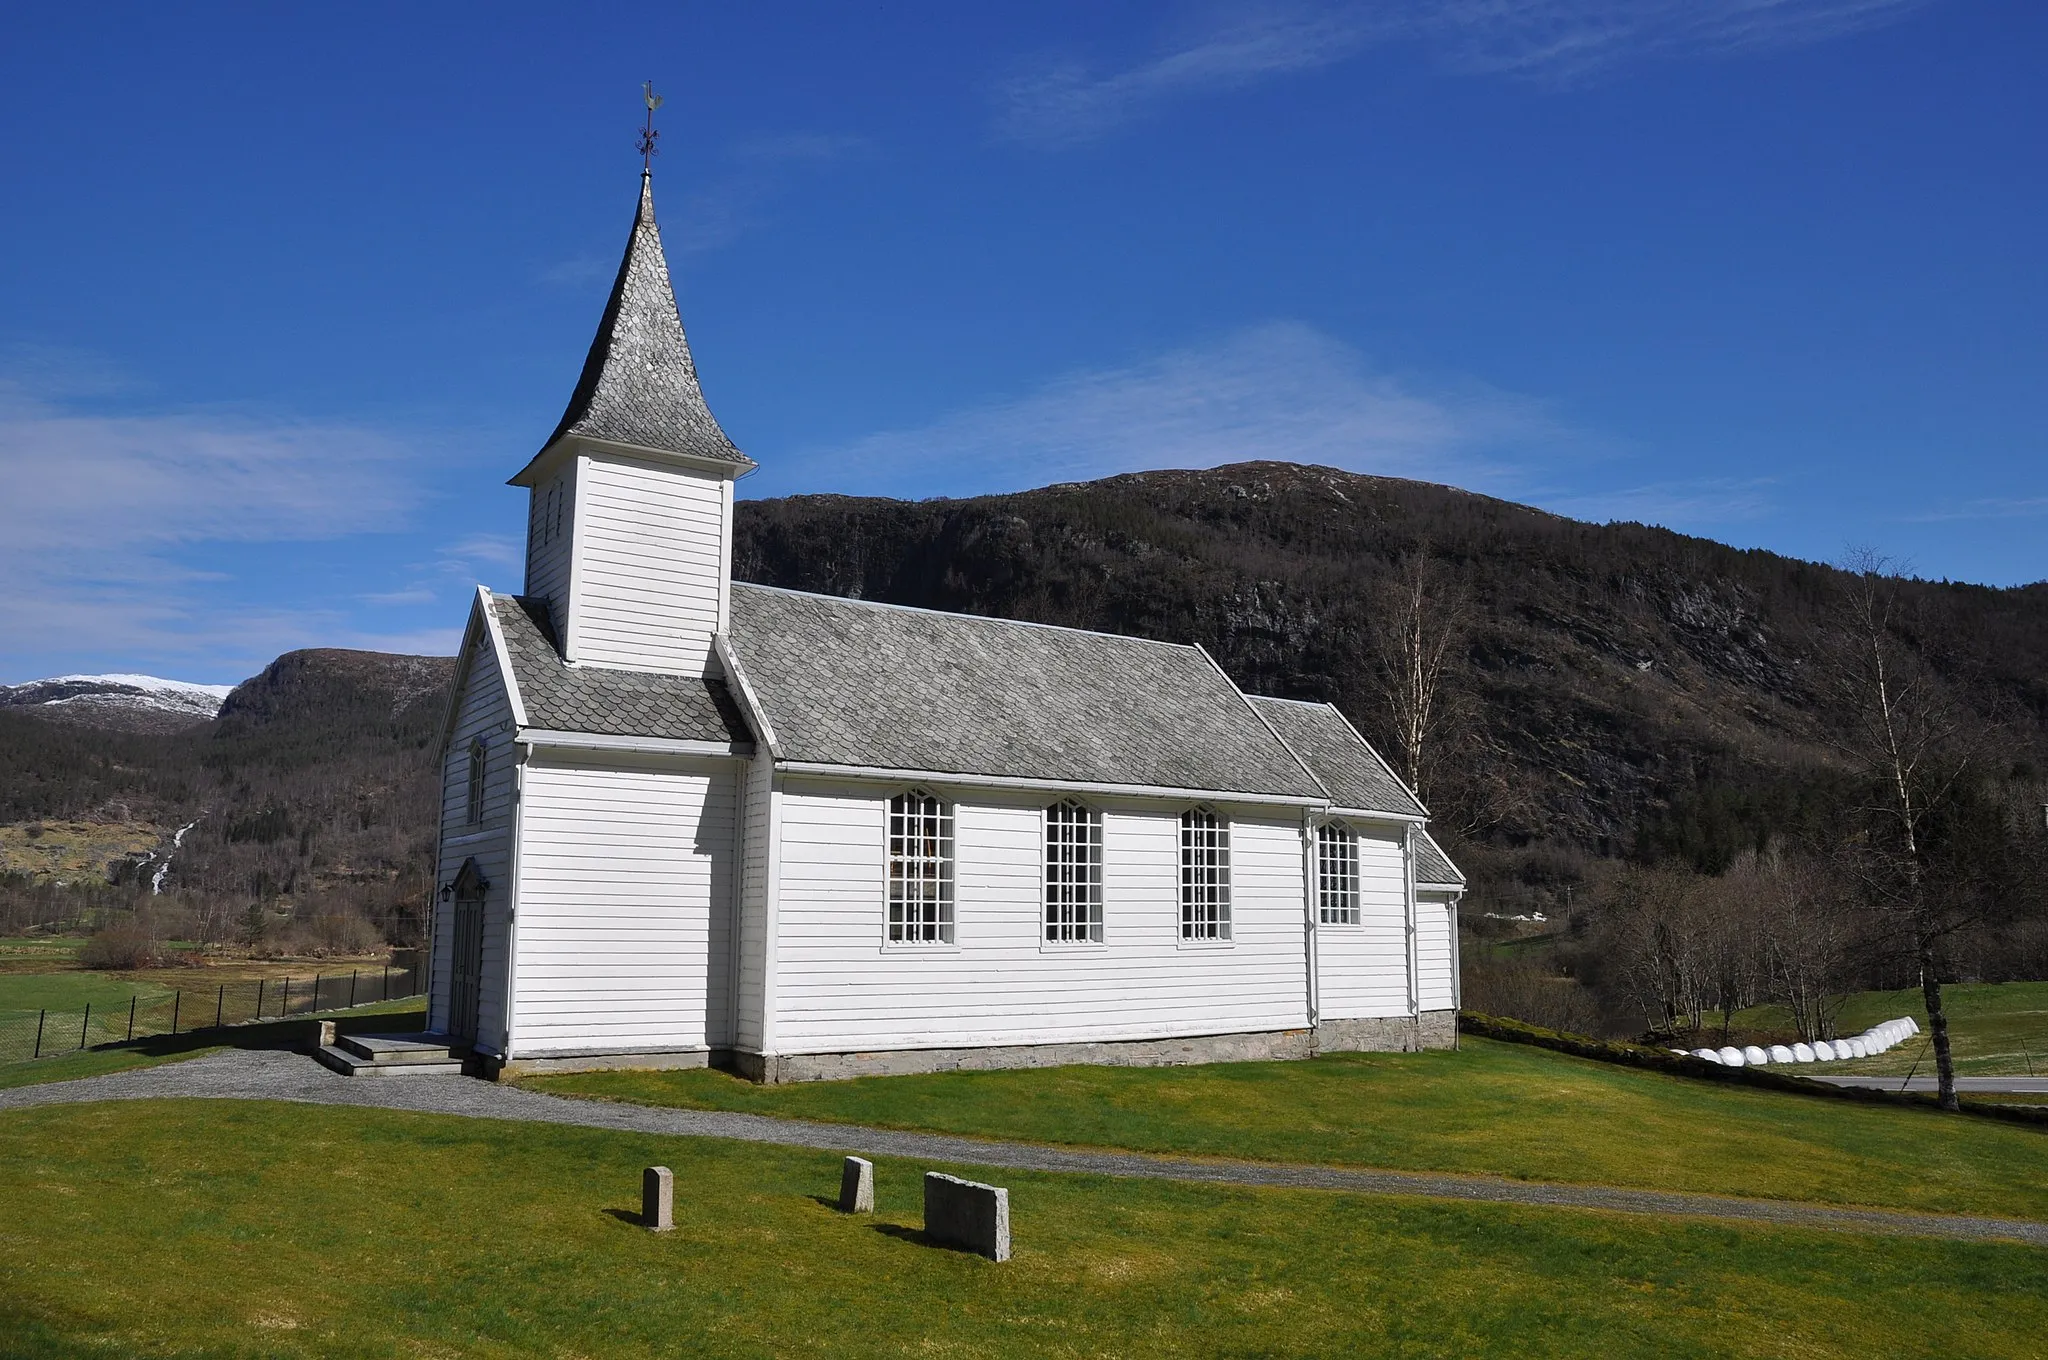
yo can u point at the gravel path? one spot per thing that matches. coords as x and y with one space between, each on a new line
271 1075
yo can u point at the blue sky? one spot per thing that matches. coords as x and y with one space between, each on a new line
289 291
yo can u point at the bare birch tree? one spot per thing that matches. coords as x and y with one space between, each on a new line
1909 736
1423 623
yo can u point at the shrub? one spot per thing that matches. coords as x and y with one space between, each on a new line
125 944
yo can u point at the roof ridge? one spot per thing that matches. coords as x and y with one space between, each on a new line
1305 703
956 614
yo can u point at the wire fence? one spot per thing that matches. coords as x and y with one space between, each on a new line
26 1035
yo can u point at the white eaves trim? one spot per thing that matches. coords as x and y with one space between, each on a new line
1351 814
661 746
757 715
497 636
983 781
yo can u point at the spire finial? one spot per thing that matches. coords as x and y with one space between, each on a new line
647 133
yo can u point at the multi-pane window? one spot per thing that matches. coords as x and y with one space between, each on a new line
920 869
473 811
1336 875
1204 876
1073 874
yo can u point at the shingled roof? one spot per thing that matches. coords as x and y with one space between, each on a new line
846 682
639 383
606 702
1432 865
1347 766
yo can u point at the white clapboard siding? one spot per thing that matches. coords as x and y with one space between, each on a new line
550 534
1362 970
651 543
839 987
482 712
1435 919
757 818
626 880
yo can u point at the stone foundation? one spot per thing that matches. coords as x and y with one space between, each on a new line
1397 1034
1270 1045
1391 1034
661 1061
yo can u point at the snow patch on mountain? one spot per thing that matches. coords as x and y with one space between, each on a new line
142 702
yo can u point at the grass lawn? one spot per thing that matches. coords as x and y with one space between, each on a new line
1995 1029
402 1015
213 1229
1492 1108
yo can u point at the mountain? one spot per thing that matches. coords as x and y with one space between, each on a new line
311 793
123 703
1626 689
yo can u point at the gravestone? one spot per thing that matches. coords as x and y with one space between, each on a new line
967 1214
658 1198
857 1186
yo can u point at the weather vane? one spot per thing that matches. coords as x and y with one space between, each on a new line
647 133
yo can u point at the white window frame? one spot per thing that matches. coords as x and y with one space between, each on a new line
1204 878
918 845
473 790
1340 883
1070 915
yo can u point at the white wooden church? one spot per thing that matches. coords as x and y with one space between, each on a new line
688 820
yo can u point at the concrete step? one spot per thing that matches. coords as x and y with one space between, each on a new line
401 1049
355 1065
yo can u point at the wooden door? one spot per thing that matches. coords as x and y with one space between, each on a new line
466 968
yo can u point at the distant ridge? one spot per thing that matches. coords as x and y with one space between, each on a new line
125 703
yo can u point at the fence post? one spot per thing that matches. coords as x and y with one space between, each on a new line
284 1007
351 988
85 1024
40 1016
177 1000
316 992
220 1004
259 999
384 990
131 1015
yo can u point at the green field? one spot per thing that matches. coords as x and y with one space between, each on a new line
401 1015
211 1229
1493 1108
1995 1029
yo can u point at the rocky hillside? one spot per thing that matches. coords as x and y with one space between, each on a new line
1626 685
312 790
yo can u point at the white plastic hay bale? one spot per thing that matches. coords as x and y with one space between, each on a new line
1782 1054
1823 1051
1707 1053
1731 1056
1683 1052
1857 1049
1803 1053
1912 1025
1754 1056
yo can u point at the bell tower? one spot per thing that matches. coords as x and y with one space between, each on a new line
629 525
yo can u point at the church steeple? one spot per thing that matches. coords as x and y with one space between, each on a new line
629 512
639 386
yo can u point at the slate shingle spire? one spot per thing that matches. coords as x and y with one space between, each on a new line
639 383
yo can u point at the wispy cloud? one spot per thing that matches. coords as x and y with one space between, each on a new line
761 169
1279 391
1063 100
1702 501
1562 41
103 513
1989 507
1066 101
